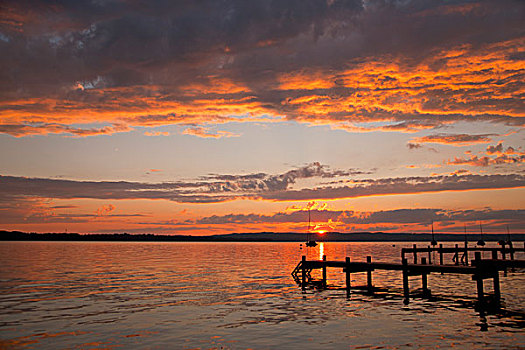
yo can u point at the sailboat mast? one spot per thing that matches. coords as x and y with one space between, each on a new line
433 242
308 232
308 220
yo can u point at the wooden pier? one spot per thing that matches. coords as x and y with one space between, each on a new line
480 269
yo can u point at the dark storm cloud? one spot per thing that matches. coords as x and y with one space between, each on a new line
420 63
130 41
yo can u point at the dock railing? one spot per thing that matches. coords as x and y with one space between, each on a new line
460 255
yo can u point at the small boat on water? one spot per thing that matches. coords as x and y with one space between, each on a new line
481 242
309 242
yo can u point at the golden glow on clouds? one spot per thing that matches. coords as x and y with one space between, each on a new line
460 81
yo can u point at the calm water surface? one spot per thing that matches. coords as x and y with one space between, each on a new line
92 295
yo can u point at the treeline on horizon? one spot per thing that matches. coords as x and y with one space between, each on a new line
256 237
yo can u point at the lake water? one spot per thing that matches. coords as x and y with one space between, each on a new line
93 295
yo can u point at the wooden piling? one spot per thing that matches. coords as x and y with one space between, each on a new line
511 250
441 254
456 255
347 276
303 275
324 271
406 291
465 254
415 253
479 278
503 255
429 255
424 280
497 290
369 276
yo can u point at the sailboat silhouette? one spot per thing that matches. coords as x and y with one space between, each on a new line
309 242
481 242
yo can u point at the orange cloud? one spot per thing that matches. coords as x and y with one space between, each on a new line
453 139
46 128
157 133
486 161
461 83
204 132
105 209
498 149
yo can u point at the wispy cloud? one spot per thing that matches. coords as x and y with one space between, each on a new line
157 133
414 220
20 130
206 133
453 139
403 185
220 188
105 209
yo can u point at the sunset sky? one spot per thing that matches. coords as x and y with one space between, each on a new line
207 117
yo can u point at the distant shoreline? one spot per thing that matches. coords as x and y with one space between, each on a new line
257 237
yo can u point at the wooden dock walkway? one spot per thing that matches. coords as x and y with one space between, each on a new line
480 269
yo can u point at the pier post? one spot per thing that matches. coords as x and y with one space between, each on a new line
415 253
441 254
324 271
503 257
479 278
424 281
429 255
347 277
406 291
456 255
465 255
511 253
303 275
369 275
497 290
